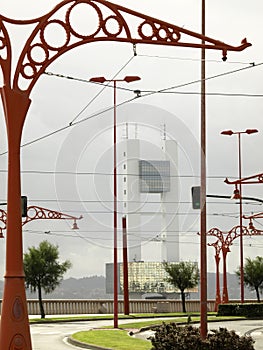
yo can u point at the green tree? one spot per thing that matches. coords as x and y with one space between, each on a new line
182 275
253 274
43 270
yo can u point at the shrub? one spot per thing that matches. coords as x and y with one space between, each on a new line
247 309
172 337
223 339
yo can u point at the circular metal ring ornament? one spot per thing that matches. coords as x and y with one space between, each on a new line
144 36
27 75
100 20
34 61
65 29
119 23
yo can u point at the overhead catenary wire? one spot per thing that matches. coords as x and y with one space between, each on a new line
146 240
150 93
100 92
228 62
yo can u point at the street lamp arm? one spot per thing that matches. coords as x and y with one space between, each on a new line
229 197
246 180
36 212
215 232
149 30
254 216
235 233
217 245
5 48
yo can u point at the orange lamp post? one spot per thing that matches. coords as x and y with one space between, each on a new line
127 79
238 195
223 244
36 55
125 268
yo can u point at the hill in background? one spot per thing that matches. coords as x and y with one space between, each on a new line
93 287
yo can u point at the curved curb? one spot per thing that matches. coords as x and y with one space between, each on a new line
80 344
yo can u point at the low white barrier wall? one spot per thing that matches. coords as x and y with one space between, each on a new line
81 306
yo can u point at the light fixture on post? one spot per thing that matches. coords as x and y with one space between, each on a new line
252 229
238 133
75 225
127 79
251 226
236 193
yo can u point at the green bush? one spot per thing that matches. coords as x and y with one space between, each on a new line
223 339
247 310
172 337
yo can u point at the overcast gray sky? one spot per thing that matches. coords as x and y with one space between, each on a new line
234 101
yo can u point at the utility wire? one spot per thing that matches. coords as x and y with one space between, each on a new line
100 92
108 84
193 59
132 99
85 173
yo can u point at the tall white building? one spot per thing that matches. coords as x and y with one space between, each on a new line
150 197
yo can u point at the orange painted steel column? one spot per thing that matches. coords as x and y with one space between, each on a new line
14 307
115 215
242 289
225 299
125 269
203 250
218 296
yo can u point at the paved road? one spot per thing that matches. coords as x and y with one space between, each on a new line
249 327
53 336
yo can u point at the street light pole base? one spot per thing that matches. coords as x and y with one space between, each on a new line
14 326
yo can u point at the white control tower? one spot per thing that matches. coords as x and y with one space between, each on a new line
150 197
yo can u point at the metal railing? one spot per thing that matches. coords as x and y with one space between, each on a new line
105 306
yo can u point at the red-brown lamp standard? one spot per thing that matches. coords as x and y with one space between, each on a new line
15 94
101 80
238 195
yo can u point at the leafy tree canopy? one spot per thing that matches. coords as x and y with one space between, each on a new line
253 274
182 275
43 270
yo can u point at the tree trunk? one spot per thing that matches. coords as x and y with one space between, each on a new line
183 300
42 311
258 295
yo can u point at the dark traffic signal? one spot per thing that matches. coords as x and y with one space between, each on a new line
196 197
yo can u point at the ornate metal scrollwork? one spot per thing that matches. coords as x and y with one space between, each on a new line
111 23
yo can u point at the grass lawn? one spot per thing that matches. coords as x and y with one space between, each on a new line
112 339
120 340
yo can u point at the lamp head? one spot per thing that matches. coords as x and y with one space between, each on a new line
97 80
251 227
251 131
236 194
227 132
131 78
75 226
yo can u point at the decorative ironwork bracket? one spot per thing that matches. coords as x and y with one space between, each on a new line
112 23
39 213
246 180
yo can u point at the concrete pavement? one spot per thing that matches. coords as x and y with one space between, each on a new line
54 335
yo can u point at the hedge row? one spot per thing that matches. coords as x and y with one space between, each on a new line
247 310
